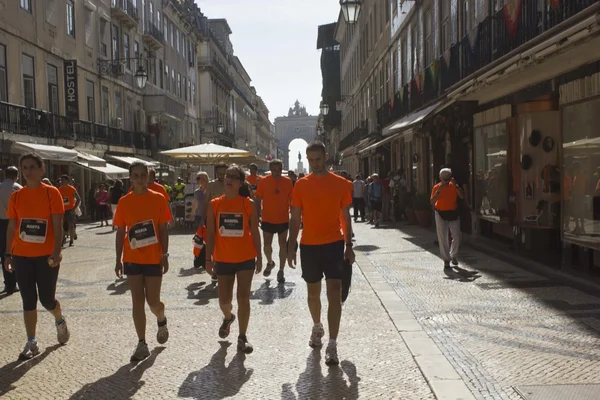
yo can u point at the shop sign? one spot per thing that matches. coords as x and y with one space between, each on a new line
71 90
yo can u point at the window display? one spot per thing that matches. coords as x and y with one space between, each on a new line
491 172
581 173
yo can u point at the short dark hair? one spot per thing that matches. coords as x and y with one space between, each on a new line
275 161
221 165
12 172
31 156
317 145
65 177
239 170
253 166
151 171
136 164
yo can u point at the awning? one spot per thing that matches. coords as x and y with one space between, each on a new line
111 171
47 152
90 159
412 119
380 143
130 160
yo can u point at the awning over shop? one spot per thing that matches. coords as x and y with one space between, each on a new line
90 159
47 152
354 149
412 119
130 160
583 144
111 171
379 143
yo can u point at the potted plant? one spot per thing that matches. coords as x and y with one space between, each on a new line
410 210
422 207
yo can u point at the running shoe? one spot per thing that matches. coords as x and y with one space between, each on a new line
214 278
31 350
226 327
331 355
244 346
447 265
268 269
316 337
280 277
454 262
62 332
163 332
141 352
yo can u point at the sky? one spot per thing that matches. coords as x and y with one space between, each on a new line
276 41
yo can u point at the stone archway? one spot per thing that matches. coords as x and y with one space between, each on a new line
296 125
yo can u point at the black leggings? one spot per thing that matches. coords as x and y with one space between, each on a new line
34 276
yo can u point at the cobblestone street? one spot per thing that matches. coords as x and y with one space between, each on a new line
409 331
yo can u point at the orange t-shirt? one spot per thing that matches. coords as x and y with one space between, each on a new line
68 196
276 195
158 188
447 201
233 239
33 210
141 215
253 180
200 233
321 199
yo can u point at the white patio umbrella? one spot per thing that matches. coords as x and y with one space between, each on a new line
210 154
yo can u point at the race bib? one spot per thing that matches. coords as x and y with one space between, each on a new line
65 200
231 224
33 230
198 242
142 234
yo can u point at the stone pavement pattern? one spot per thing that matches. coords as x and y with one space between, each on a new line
376 363
499 326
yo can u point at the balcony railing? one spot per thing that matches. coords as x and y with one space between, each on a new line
128 7
215 64
32 122
152 30
353 137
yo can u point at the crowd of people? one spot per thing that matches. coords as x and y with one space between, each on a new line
229 213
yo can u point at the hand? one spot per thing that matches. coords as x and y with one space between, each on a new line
8 264
259 265
210 266
56 258
291 255
119 269
349 255
164 263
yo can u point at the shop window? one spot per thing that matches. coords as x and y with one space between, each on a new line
491 177
581 173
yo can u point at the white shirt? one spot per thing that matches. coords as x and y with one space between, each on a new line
6 189
359 189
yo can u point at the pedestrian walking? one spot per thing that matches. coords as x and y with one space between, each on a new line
375 195
215 189
71 201
233 251
7 187
358 198
198 206
102 205
444 198
116 192
318 199
33 244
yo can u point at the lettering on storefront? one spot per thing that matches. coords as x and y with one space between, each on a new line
71 92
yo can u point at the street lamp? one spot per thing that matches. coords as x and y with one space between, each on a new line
247 144
116 67
324 108
257 151
141 77
318 131
220 128
351 10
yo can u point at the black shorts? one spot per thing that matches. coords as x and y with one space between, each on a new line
142 269
274 228
376 205
324 259
70 215
224 268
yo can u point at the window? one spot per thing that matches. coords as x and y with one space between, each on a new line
167 79
166 30
118 110
173 86
3 76
152 63
105 108
150 14
183 48
115 42
143 12
129 125
404 78
136 49
28 81
53 104
178 85
446 38
172 34
90 102
126 50
89 28
51 15
189 91
103 46
428 37
415 50
184 89
194 93
25 5
160 74
177 39
70 18
158 22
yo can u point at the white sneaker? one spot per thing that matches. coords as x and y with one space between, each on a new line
62 332
316 337
31 350
331 355
141 352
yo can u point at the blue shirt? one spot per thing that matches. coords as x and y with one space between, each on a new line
375 190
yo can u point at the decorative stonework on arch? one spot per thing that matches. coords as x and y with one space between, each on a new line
296 125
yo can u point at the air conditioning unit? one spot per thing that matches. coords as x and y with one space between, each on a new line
118 69
141 120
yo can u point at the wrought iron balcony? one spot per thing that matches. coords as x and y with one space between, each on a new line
126 12
28 121
153 36
353 137
212 63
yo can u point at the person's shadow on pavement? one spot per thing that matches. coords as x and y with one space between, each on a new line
461 275
206 292
215 380
312 385
267 294
12 372
123 384
117 288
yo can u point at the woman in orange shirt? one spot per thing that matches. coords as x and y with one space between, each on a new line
233 249
33 241
142 249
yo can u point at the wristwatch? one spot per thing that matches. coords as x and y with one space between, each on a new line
349 244
165 255
7 255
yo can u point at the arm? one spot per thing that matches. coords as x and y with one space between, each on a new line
347 224
258 207
77 199
207 199
210 233
256 239
57 228
294 226
119 242
163 237
434 195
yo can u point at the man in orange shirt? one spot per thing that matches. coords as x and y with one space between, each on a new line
444 198
71 201
274 194
318 200
253 179
142 250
